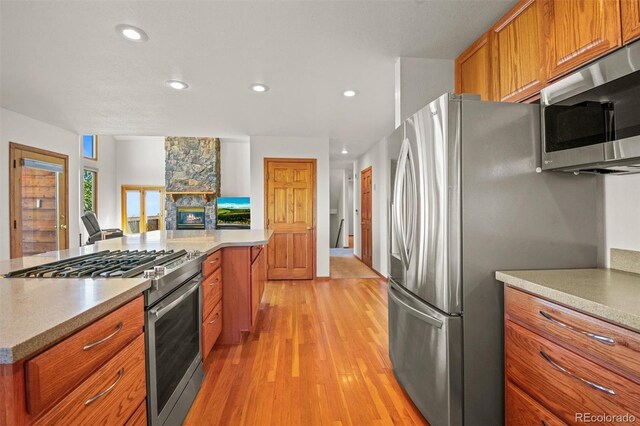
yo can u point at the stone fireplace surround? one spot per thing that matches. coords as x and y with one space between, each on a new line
192 164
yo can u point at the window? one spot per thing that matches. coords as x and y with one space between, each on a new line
90 147
90 190
142 208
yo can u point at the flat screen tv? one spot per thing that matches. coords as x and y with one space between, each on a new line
234 212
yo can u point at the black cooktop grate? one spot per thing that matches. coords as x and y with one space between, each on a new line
106 264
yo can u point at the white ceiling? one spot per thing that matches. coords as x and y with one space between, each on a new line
63 63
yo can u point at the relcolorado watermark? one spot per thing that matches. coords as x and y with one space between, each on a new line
605 418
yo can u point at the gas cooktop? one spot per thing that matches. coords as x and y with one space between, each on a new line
108 264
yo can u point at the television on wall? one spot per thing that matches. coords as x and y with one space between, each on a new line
233 212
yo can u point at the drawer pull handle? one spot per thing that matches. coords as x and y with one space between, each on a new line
601 339
215 319
96 343
213 262
216 281
107 390
570 374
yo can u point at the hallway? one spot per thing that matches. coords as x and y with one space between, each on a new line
343 264
318 357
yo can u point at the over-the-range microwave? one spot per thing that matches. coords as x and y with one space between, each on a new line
591 118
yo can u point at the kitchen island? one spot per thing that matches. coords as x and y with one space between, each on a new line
43 317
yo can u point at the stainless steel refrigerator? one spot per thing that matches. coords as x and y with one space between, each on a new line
466 200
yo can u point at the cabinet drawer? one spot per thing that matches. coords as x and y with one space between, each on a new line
139 417
53 373
211 292
213 262
109 396
522 410
563 382
211 328
614 347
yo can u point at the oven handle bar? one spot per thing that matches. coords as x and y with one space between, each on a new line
163 309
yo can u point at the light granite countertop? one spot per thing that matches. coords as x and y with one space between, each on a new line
609 294
36 313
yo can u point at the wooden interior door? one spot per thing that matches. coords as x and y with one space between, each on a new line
38 210
290 212
365 215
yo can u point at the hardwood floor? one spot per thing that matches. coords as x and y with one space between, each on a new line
343 264
318 357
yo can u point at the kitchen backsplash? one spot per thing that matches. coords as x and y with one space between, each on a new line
625 260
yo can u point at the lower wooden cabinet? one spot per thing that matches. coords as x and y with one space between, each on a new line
109 396
139 417
211 328
258 277
550 379
522 410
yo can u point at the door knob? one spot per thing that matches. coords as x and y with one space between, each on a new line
63 226
309 228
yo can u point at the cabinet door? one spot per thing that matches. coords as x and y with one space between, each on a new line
517 60
630 15
577 31
473 69
257 279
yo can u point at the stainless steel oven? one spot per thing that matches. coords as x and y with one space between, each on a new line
590 119
174 364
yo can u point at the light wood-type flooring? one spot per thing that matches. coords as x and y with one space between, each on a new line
318 357
343 264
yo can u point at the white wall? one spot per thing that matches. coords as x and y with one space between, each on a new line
235 168
621 213
24 130
108 194
419 81
377 158
292 147
139 161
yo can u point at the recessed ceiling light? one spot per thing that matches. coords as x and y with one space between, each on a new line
177 84
349 93
131 33
344 151
259 87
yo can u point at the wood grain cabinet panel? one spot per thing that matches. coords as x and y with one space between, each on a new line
258 275
516 51
610 345
211 292
563 382
51 374
139 417
577 31
213 262
473 70
109 396
630 16
211 329
522 410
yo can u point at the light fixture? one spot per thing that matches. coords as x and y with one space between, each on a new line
132 33
349 93
177 84
344 151
259 87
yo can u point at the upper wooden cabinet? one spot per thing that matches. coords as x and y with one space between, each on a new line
473 69
630 15
577 31
517 65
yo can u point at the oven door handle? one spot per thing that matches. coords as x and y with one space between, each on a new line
163 309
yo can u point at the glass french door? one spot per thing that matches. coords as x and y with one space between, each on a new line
142 209
38 202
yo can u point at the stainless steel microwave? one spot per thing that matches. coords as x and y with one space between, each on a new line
591 118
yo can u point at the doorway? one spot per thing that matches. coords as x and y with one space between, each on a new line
365 216
142 208
38 205
290 211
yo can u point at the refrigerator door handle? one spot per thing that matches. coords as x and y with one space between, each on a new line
399 203
413 311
